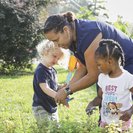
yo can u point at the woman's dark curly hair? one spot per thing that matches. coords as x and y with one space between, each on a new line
57 22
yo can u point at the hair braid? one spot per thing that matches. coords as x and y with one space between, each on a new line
110 48
121 53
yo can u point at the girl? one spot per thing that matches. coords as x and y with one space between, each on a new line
115 86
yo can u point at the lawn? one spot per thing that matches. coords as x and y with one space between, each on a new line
16 113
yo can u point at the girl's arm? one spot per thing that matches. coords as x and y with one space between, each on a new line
126 115
46 89
95 102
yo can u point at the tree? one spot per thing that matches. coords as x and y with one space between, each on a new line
94 9
19 32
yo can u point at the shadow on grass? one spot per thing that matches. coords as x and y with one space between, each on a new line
15 74
28 72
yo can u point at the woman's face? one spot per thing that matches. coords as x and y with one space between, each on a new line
62 39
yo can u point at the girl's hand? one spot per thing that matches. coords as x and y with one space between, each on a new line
126 115
90 108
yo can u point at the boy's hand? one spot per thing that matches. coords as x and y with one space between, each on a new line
126 115
90 108
61 96
60 86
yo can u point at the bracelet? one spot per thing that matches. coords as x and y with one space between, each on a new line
68 91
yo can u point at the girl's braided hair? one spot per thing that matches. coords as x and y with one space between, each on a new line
110 48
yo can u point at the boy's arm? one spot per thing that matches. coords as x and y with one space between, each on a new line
96 101
46 89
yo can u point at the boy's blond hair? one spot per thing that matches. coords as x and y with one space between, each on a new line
49 46
45 46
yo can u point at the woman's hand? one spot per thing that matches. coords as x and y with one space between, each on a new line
61 96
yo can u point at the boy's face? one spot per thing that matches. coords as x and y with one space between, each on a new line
53 56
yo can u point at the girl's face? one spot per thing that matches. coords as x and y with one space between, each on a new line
62 39
103 65
52 56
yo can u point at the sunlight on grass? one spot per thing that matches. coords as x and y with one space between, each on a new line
16 113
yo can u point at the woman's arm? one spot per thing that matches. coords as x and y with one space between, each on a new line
92 72
79 73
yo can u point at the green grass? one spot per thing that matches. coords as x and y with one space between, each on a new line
16 114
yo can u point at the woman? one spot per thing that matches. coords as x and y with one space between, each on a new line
83 37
